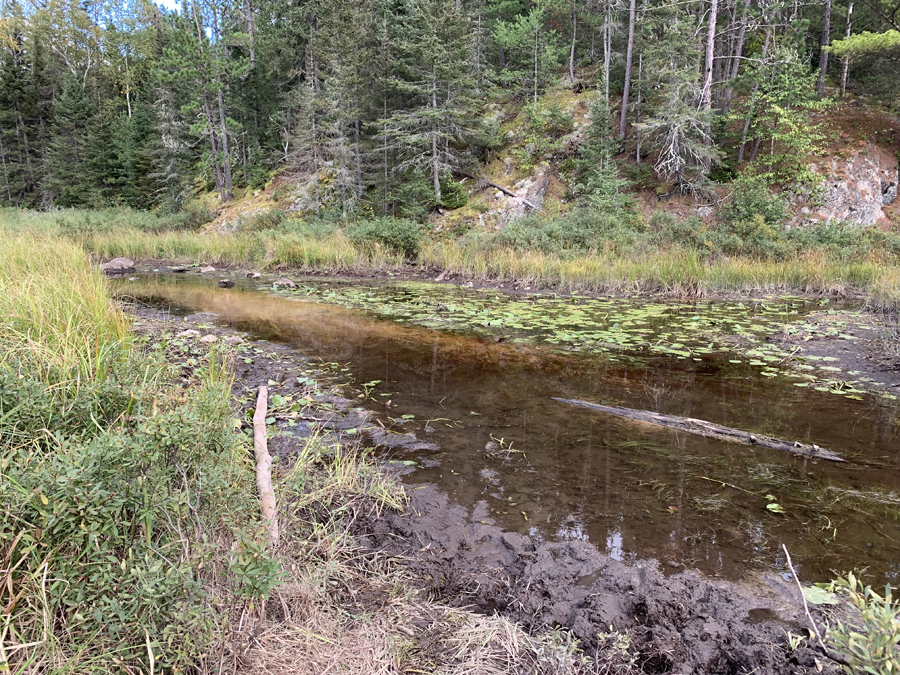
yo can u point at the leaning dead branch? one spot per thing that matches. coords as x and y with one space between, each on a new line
708 430
497 186
264 468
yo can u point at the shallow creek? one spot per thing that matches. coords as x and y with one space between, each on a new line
481 392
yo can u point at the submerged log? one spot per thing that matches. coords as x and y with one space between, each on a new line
707 429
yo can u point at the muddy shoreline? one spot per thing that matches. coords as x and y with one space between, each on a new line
678 621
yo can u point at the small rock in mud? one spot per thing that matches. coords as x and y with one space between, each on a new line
208 339
190 332
207 269
118 266
284 283
253 275
234 339
226 283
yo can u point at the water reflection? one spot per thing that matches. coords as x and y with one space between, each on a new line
563 473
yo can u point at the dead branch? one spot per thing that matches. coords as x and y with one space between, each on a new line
264 468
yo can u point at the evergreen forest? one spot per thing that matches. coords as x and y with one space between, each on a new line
379 107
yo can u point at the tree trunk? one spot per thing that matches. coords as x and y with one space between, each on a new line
749 118
226 157
607 49
736 54
823 44
846 69
629 56
214 147
436 176
572 47
706 95
251 30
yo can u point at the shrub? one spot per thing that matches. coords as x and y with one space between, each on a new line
262 220
397 234
453 194
871 640
751 197
580 231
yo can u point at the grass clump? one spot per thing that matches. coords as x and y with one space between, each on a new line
126 504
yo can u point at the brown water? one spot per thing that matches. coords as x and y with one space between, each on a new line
633 490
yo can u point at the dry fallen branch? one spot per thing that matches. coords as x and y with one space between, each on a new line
707 429
264 468
504 190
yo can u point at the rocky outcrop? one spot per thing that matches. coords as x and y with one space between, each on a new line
529 196
857 185
118 266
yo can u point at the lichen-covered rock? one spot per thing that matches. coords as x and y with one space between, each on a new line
529 197
856 187
118 266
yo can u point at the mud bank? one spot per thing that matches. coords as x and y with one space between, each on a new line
677 621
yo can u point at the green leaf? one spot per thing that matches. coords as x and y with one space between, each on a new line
775 507
819 596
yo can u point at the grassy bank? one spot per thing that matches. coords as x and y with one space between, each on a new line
130 539
580 253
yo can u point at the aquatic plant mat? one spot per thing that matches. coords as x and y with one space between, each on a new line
707 429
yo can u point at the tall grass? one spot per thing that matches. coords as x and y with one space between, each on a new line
672 271
624 260
55 311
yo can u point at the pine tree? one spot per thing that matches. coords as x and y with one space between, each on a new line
68 181
532 49
598 183
434 78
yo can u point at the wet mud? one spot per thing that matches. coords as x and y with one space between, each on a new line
679 623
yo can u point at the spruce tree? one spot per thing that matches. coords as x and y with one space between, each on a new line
434 78
68 180
598 183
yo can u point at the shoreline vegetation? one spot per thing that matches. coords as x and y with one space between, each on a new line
642 258
130 537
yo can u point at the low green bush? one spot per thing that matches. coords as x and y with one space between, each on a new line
751 198
580 231
871 639
397 234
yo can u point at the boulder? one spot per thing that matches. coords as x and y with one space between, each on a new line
529 192
284 283
118 266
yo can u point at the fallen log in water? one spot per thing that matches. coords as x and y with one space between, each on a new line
707 429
